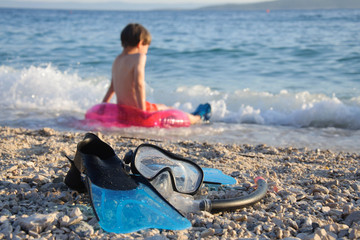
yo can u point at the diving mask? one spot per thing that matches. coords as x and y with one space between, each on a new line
161 168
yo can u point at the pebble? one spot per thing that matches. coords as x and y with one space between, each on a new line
353 217
314 193
325 209
64 221
321 189
292 224
347 209
76 212
75 220
335 227
38 222
278 222
354 233
207 233
82 229
6 229
279 233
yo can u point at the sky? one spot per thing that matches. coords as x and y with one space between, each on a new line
119 4
166 2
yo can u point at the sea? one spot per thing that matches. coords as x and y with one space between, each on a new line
280 78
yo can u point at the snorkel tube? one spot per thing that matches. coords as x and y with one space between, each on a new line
236 203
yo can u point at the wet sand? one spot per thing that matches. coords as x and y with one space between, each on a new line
313 193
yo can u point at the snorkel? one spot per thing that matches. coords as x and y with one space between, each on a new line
218 205
170 175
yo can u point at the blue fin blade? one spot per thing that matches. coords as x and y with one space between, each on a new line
215 176
133 210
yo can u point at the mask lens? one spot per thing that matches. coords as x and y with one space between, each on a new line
150 161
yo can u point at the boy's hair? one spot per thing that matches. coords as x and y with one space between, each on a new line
133 33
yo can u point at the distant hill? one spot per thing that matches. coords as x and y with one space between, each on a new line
289 4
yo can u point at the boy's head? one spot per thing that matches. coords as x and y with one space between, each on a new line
133 33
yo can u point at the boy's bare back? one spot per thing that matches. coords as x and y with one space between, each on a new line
128 79
128 70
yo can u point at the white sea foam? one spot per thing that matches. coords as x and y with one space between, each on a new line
45 88
285 108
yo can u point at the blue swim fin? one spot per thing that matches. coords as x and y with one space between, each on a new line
215 176
133 210
122 203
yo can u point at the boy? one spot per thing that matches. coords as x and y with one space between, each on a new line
128 74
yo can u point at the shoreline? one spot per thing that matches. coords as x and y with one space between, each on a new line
312 193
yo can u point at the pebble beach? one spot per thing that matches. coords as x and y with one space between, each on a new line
313 193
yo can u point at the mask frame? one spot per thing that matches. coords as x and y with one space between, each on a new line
132 158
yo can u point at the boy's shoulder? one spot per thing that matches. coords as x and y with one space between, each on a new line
131 57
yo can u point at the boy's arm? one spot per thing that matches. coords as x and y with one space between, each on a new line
109 93
139 78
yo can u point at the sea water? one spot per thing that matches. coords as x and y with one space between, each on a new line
283 78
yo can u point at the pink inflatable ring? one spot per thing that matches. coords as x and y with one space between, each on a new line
113 115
